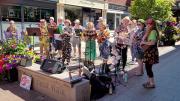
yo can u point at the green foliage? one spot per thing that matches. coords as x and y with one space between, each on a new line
29 54
158 9
12 47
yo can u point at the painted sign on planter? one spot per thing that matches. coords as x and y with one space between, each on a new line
26 82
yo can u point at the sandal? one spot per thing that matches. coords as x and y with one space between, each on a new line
139 74
148 85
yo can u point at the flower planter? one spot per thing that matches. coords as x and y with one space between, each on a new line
1 77
13 74
26 62
10 72
169 43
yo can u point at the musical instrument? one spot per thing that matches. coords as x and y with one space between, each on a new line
78 32
102 37
90 34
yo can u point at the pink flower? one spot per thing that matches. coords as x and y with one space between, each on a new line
13 46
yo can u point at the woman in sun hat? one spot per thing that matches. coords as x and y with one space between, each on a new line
138 52
66 47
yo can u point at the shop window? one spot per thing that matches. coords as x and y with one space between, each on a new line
31 14
96 14
72 13
124 15
47 13
111 20
118 18
11 13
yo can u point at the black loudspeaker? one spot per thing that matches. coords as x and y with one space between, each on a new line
52 66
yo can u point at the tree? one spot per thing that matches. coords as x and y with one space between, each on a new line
158 9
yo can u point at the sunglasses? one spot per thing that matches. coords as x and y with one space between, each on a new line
149 23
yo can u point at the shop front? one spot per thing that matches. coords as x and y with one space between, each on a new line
83 10
176 10
25 13
114 15
82 13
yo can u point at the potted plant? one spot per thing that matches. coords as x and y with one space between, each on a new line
27 58
8 68
10 56
169 33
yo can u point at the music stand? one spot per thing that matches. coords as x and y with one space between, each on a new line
33 31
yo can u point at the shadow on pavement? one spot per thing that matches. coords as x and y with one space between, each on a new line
131 73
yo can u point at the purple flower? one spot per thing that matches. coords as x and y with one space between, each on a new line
8 66
5 59
22 56
14 61
14 65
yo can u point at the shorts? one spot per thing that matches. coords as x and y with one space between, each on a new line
76 42
58 44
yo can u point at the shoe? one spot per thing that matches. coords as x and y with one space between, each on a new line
148 85
59 58
122 71
139 74
133 63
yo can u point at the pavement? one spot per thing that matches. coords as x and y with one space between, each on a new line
166 77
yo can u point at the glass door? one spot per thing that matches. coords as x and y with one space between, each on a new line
118 18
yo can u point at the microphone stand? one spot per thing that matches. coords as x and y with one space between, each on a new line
79 55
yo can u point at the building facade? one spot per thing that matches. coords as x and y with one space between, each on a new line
117 9
176 10
26 13
84 10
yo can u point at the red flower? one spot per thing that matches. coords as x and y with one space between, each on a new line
1 66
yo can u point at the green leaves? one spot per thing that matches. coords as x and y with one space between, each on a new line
12 47
158 9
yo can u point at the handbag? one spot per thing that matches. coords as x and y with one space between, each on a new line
145 47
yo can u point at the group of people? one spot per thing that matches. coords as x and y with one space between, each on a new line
142 37
65 36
